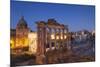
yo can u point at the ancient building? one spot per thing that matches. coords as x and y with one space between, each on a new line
50 34
32 36
22 33
23 38
12 38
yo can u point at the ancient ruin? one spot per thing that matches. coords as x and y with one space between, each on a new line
45 31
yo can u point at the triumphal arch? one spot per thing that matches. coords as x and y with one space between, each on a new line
51 35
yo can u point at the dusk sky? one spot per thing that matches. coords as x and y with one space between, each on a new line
77 17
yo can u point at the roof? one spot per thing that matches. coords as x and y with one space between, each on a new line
12 32
22 22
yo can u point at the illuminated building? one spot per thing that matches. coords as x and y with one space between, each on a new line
12 38
55 36
22 33
32 36
51 34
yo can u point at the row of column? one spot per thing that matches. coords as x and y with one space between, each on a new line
61 34
42 41
43 38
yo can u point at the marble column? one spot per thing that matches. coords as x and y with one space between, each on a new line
38 41
59 38
63 38
40 55
67 38
50 33
55 38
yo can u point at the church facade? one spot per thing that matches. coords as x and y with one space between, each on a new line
23 38
22 33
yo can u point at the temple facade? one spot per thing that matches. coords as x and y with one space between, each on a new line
51 35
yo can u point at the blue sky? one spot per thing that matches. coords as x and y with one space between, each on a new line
77 17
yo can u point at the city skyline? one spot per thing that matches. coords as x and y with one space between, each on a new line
77 17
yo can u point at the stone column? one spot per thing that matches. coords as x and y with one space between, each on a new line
50 33
38 40
55 38
44 40
59 38
68 39
40 55
63 38
46 37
